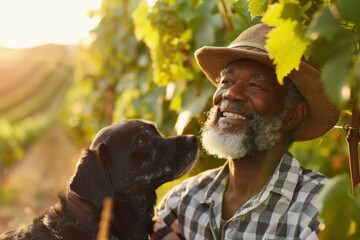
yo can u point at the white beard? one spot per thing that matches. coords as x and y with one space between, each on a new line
223 146
261 133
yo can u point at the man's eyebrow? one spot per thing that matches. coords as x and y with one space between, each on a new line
258 76
226 70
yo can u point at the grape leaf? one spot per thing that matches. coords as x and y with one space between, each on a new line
336 210
324 24
286 43
257 7
349 9
337 69
242 18
205 26
337 190
291 9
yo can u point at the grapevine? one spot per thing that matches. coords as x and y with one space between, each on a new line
170 26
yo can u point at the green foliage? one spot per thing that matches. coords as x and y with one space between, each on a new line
340 210
15 137
257 7
11 149
337 46
328 154
172 30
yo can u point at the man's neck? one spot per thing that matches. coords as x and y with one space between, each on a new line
247 177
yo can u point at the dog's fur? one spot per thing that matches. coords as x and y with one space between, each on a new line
126 161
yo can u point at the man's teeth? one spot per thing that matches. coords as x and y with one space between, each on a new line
233 115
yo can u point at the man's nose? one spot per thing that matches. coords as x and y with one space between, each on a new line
236 92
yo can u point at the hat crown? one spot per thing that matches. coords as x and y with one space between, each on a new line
256 36
252 37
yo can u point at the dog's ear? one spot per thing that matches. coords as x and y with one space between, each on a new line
92 177
104 156
84 169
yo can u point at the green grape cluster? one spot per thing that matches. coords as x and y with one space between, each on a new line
165 18
170 26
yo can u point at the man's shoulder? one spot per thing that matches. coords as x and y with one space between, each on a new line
310 183
313 178
305 178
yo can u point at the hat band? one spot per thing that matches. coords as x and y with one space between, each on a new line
248 44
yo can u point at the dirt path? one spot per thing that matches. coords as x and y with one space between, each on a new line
46 169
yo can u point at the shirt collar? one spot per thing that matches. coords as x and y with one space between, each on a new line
218 185
285 177
283 181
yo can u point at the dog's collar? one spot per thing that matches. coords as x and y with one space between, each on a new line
86 212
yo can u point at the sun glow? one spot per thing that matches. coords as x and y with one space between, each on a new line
27 23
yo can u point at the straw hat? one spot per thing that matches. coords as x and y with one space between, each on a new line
250 44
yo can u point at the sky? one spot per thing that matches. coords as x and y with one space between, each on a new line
28 23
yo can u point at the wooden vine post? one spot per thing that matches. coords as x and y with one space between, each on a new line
353 138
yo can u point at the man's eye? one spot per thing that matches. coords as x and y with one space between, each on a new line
225 82
255 85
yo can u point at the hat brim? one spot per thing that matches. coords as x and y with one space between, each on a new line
322 114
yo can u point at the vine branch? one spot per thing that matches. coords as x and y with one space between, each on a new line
227 16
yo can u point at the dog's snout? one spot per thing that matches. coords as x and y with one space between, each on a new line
192 139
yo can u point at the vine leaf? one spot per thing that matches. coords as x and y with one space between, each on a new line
286 42
257 7
349 9
336 72
338 208
324 24
204 25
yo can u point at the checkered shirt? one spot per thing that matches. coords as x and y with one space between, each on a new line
286 208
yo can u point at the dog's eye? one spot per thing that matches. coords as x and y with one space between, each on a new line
142 141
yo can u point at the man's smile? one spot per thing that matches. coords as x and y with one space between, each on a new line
230 118
231 115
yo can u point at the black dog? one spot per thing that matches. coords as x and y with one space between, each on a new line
126 161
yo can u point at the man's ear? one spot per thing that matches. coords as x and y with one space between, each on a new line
295 115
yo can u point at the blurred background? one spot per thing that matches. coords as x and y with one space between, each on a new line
70 67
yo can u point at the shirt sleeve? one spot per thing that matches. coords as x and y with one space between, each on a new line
166 221
310 232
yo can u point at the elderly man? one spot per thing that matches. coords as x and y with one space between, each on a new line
262 192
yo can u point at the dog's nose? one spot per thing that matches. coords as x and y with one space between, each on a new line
192 139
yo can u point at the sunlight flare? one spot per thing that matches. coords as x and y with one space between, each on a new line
34 22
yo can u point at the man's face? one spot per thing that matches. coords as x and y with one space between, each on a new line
247 113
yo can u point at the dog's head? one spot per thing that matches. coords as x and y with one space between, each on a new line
130 157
